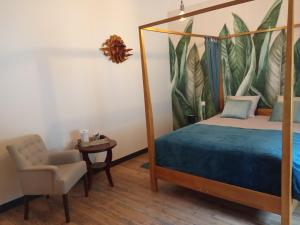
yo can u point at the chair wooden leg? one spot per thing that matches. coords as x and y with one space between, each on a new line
66 207
26 207
85 183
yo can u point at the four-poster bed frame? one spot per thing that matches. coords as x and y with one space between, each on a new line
282 205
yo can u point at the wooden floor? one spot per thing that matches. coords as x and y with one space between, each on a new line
131 202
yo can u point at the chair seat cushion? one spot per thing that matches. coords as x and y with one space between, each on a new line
69 175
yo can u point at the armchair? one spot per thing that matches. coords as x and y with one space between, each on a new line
45 173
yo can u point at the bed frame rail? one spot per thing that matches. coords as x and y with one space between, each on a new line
254 199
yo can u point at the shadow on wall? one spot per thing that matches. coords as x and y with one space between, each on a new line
53 131
51 122
41 58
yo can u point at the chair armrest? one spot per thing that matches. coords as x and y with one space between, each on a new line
65 157
39 179
41 169
49 168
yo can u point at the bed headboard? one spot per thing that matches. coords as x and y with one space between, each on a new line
263 112
259 111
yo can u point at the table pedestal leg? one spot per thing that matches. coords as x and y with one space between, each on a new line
86 158
107 168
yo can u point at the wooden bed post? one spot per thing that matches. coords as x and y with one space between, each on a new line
221 88
287 125
149 113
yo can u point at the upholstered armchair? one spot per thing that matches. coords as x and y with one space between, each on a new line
44 173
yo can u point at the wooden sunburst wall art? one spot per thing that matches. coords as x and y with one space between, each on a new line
115 49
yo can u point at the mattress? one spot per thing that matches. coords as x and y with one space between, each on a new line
257 122
244 153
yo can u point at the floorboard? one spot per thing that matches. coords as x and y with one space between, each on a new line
131 202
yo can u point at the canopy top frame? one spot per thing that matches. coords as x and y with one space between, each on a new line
194 13
151 26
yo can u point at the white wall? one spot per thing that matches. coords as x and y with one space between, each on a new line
54 80
174 5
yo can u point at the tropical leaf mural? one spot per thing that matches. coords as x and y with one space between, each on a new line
297 68
246 83
189 79
243 49
251 65
269 21
276 68
230 83
194 81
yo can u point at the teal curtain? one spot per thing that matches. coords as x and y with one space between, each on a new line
213 54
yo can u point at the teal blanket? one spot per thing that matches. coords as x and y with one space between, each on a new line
247 158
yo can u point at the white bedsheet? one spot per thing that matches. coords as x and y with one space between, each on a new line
257 122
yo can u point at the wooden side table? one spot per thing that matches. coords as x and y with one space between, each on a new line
95 167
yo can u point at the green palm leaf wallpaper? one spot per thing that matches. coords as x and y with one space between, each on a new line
251 65
190 84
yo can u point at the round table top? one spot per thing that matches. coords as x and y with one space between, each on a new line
97 148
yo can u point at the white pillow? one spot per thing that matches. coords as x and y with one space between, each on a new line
254 101
280 99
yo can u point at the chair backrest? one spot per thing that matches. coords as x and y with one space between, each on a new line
28 151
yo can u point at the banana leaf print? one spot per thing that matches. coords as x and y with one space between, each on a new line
209 109
276 63
246 84
194 81
181 53
230 85
172 56
189 81
269 21
180 105
243 49
297 68
185 40
260 74
262 68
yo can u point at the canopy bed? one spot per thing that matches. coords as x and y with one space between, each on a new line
267 190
